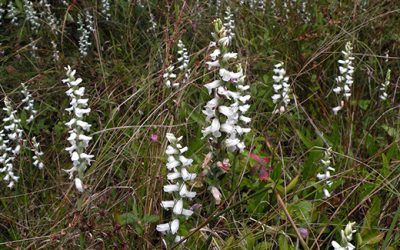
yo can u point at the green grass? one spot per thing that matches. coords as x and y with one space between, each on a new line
123 79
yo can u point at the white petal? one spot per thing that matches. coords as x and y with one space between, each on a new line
171 150
173 176
216 194
212 85
229 55
187 212
163 228
174 226
178 207
79 184
171 188
75 156
167 204
185 161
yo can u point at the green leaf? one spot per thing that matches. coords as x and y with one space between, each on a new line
301 210
385 168
392 132
307 142
363 104
372 217
126 218
283 242
150 218
293 183
374 239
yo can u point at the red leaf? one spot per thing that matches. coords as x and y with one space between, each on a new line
264 174
259 159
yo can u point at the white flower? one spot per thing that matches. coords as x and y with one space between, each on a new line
185 193
216 194
229 75
212 64
85 28
326 162
215 54
345 79
186 176
384 86
12 13
78 140
11 147
224 113
185 161
174 226
171 150
213 129
167 204
173 176
337 246
163 228
171 188
29 103
281 88
178 178
326 193
172 163
38 153
336 109
187 212
79 184
178 207
105 9
31 16
212 85
183 67
230 55
347 236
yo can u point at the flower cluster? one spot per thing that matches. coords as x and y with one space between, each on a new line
229 25
52 21
345 79
153 24
281 88
347 237
11 147
183 67
78 140
28 103
217 7
56 53
304 13
178 178
384 86
169 76
49 16
183 60
105 9
326 162
31 16
260 4
225 112
85 28
7 161
34 48
37 158
2 11
12 13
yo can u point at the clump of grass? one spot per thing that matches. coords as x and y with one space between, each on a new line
267 196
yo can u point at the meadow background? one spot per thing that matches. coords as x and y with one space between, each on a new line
132 45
